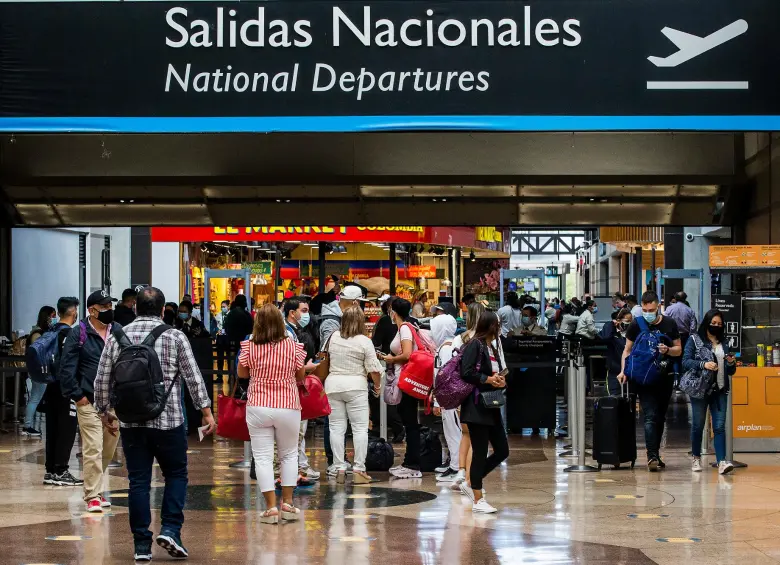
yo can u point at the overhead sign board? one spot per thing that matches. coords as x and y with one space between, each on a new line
744 256
315 65
422 271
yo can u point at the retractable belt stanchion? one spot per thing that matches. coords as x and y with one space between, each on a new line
730 437
247 461
571 385
579 420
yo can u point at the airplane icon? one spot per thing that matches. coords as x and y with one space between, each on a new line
692 46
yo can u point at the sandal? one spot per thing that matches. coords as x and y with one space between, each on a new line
341 477
270 516
361 478
290 512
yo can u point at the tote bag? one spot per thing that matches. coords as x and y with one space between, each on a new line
231 415
416 378
314 401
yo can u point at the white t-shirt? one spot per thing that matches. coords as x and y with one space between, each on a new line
457 343
350 362
511 319
404 334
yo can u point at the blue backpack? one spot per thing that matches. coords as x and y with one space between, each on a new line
43 356
643 363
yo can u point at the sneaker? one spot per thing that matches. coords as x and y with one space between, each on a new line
31 432
396 468
652 464
725 467
465 489
48 479
172 544
441 469
333 471
67 480
94 506
696 466
404 473
104 503
448 476
661 464
310 473
143 552
482 507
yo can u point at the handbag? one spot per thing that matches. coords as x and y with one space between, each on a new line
699 382
231 415
416 377
391 393
492 398
323 366
314 401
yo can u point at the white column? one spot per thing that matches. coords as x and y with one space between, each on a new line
166 269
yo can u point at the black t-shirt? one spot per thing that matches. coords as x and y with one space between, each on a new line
666 326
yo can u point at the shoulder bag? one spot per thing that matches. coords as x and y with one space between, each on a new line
231 415
698 383
492 398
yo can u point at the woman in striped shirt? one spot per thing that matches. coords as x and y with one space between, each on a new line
274 364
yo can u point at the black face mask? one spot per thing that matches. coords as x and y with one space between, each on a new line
105 317
716 332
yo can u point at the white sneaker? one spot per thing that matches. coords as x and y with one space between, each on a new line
404 473
482 507
310 473
396 468
465 489
696 466
333 471
725 467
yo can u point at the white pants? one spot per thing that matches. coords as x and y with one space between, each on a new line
265 426
352 405
303 461
452 435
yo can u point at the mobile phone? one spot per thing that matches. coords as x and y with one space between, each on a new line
504 373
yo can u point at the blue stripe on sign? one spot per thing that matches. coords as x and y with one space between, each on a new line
389 123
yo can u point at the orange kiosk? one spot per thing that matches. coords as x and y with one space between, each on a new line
752 320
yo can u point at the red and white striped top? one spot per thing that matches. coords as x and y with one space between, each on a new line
272 368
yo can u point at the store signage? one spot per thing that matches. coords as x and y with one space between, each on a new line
259 267
731 307
314 65
489 234
742 256
422 271
343 234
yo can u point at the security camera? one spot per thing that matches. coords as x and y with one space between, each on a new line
689 237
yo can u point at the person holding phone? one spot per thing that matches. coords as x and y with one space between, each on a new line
707 352
482 365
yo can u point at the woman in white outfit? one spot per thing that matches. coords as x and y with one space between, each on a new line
443 328
352 358
274 364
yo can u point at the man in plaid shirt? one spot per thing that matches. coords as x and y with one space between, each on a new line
164 438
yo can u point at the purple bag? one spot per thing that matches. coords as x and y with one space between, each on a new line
449 389
392 394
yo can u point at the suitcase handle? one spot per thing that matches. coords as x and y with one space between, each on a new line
622 389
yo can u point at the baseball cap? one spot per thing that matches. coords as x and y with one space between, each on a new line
352 293
384 298
99 297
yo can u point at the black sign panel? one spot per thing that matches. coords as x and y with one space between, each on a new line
731 307
400 64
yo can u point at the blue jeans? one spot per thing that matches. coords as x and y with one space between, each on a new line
654 402
142 446
36 393
718 404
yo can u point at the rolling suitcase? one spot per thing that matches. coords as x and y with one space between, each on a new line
614 430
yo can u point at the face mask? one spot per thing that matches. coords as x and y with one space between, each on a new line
224 309
650 316
105 317
595 309
716 332
183 315
526 321
52 322
624 325
304 320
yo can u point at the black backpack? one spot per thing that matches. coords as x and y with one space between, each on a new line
138 393
379 456
430 450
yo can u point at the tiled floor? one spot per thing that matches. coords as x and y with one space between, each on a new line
546 516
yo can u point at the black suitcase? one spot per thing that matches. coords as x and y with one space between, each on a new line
614 430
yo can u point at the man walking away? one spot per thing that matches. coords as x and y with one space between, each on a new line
162 437
683 315
60 409
80 358
124 313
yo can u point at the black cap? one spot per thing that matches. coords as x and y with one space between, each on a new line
99 297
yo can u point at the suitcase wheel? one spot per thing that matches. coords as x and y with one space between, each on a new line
599 466
616 466
632 464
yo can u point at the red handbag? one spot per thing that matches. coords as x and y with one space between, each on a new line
416 377
314 401
231 416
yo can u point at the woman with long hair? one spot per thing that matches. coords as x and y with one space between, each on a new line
400 350
483 367
274 364
707 356
613 334
352 358
473 313
47 319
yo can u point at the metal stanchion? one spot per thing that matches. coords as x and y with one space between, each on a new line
571 383
730 437
17 386
246 463
383 411
579 422
2 397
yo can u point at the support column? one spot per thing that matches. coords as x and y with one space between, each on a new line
393 274
674 258
457 286
321 265
637 283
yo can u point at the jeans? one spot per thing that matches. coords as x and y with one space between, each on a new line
60 429
142 446
98 447
481 464
353 406
718 404
408 409
36 393
269 424
654 401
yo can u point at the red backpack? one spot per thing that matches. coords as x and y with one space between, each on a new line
416 377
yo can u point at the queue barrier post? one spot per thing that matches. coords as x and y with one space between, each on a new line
579 421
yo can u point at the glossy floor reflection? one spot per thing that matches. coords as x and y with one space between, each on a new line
546 516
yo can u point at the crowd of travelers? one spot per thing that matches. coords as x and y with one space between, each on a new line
100 362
